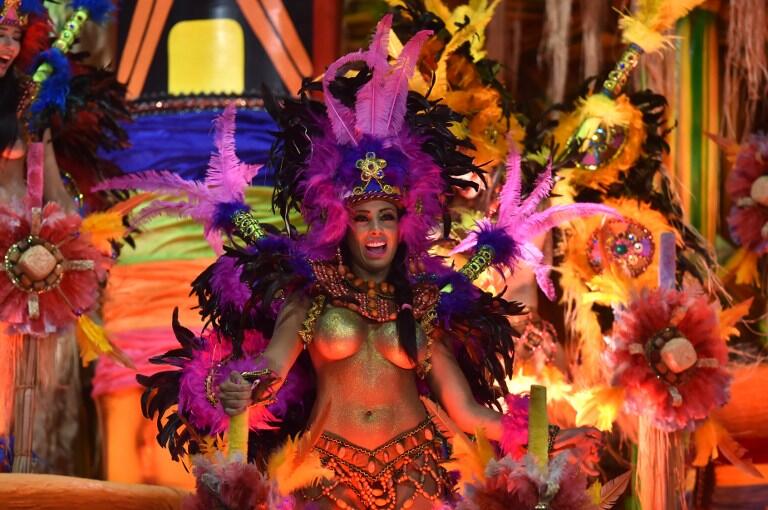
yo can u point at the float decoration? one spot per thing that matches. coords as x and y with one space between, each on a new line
217 202
747 185
511 236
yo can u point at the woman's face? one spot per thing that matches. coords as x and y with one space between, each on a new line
372 237
10 45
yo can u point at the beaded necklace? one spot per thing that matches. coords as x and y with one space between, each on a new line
372 300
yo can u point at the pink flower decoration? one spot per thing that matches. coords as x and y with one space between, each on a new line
667 352
520 483
52 271
748 218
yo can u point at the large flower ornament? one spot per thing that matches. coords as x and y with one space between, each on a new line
51 269
747 185
669 354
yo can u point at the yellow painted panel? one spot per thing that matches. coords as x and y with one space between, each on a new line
206 56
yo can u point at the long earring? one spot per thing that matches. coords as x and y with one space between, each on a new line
340 261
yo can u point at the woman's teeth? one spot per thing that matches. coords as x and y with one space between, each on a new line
376 246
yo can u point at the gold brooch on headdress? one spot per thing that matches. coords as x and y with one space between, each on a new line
11 14
372 169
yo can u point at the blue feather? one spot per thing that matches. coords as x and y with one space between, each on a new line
98 10
32 7
55 89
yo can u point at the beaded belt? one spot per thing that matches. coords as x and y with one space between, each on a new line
370 479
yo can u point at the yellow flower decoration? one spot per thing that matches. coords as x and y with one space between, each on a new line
583 285
608 173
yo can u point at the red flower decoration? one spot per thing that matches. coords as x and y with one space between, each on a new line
667 352
747 184
52 271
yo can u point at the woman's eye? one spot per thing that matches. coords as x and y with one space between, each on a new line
360 218
388 217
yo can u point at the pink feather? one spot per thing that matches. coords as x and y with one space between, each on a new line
519 221
541 189
162 181
225 170
378 50
35 158
341 117
544 281
395 92
547 219
509 197
368 107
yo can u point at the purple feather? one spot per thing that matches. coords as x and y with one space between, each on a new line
193 400
509 197
550 218
226 284
455 302
505 247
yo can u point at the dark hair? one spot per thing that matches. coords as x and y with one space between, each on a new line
9 100
406 322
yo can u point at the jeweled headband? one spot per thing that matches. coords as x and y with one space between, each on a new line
13 13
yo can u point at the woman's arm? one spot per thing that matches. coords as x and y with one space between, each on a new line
279 356
53 187
449 384
452 390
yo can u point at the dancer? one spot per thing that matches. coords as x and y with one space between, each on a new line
23 34
352 329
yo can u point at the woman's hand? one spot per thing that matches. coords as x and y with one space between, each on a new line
235 394
584 444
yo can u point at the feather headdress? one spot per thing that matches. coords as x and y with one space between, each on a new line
370 139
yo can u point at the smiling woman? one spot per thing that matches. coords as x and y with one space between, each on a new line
22 34
372 238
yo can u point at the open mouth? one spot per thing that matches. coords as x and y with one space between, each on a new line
4 60
376 248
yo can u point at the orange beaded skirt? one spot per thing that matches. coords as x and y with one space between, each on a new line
391 477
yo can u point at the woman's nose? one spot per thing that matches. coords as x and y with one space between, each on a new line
376 225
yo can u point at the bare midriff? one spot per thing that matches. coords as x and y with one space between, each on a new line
364 379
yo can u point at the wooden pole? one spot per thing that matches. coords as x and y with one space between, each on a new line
24 404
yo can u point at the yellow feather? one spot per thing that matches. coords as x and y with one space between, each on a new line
441 72
439 9
604 108
470 458
731 316
103 227
743 264
292 471
598 407
296 464
646 26
93 342
705 439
